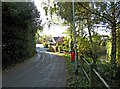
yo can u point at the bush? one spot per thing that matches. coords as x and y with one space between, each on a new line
18 32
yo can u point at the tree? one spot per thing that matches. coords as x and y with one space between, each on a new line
108 13
105 13
82 18
20 23
118 46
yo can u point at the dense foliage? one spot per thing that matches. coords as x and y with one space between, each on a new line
19 25
92 16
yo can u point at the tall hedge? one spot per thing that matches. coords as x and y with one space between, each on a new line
19 25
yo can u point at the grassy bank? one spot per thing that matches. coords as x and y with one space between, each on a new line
72 79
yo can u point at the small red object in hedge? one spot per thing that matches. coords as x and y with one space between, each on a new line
72 55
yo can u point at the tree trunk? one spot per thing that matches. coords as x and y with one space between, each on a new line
89 29
113 50
90 37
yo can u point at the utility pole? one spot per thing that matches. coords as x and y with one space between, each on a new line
76 69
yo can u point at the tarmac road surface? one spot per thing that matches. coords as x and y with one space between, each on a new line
43 70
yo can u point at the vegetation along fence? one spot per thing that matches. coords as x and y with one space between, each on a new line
94 78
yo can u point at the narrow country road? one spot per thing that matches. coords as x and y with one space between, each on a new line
43 70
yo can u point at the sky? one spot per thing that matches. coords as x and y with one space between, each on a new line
57 30
54 30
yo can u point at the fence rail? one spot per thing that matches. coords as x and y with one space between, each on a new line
92 72
86 74
104 82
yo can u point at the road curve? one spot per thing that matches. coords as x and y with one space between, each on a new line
43 70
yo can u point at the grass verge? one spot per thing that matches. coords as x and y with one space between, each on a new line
72 79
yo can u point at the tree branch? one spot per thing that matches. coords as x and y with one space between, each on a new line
94 12
118 23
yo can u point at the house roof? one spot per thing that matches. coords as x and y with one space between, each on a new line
56 38
60 39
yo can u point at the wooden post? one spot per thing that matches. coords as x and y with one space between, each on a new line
92 75
81 66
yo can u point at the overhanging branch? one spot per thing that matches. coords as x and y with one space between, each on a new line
98 14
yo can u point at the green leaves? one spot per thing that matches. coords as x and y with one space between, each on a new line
19 28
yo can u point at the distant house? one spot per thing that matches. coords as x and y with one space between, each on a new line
60 40
54 41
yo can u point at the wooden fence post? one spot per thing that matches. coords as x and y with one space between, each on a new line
92 75
81 66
